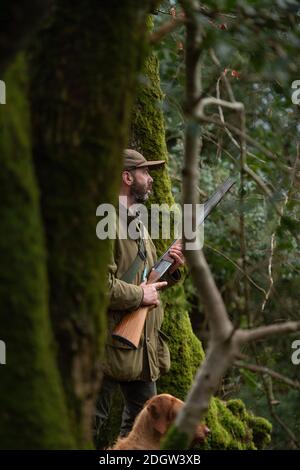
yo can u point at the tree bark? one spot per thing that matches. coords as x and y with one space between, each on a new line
33 413
18 22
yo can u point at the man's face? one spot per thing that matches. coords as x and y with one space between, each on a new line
142 185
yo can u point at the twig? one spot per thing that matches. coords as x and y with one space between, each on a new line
268 293
265 370
263 332
273 236
284 426
237 131
276 417
242 134
165 29
237 266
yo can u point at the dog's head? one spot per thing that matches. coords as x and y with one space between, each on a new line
163 409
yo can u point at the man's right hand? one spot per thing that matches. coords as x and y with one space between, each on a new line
150 292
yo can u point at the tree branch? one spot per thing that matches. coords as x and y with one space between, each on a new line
238 132
165 29
238 267
263 332
265 370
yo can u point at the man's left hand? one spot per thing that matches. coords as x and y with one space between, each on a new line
176 253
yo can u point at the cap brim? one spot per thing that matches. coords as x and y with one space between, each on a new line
152 163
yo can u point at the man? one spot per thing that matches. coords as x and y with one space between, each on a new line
134 370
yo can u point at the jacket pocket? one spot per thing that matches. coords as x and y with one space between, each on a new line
122 364
163 353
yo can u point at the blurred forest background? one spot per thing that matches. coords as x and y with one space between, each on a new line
84 80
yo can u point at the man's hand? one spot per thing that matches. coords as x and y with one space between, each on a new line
150 292
176 253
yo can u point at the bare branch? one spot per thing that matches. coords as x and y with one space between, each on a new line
265 370
165 29
272 248
275 416
273 236
286 428
199 112
237 131
245 166
237 266
264 332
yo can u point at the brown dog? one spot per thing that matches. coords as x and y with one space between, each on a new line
152 423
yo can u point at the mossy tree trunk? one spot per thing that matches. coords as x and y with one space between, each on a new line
84 68
33 413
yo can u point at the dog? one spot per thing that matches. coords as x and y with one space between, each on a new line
152 423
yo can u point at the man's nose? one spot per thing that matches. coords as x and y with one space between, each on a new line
150 179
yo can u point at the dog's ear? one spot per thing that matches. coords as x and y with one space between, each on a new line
158 411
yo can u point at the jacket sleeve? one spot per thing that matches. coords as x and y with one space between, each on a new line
122 295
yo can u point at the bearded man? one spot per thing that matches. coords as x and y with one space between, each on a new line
135 371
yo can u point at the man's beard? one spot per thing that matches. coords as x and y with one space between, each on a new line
140 192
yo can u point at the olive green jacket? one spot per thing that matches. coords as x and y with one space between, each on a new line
152 356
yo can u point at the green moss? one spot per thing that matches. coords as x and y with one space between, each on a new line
233 427
237 407
261 429
33 413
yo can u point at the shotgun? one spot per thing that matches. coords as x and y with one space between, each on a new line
130 328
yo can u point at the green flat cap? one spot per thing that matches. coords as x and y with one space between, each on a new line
134 159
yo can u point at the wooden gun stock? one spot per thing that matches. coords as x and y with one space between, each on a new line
130 328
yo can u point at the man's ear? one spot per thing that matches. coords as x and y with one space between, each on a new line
127 178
